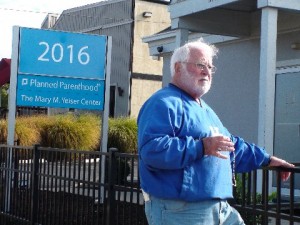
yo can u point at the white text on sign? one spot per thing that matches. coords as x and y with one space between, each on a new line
56 53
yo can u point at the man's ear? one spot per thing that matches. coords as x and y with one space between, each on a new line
177 67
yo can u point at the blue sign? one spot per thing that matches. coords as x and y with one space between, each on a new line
61 69
60 92
49 52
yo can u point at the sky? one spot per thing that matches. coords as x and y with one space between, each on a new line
28 13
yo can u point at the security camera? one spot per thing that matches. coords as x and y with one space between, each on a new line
160 49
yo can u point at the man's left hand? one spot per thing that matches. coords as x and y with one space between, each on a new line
280 162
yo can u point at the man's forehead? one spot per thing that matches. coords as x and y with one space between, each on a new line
200 56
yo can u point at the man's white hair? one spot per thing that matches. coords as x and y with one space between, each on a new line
182 53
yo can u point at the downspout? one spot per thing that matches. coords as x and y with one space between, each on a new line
131 56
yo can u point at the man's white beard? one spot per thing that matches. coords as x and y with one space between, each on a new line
193 88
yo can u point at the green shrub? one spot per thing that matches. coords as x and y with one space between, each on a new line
122 134
71 132
3 131
27 130
92 124
4 95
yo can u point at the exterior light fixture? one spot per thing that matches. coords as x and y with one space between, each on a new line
147 14
160 49
295 46
120 91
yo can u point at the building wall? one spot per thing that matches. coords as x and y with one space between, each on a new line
120 64
112 18
142 89
118 18
49 21
234 93
160 20
235 90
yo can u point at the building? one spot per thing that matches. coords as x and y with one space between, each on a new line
256 89
135 75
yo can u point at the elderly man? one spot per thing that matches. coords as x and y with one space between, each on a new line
187 157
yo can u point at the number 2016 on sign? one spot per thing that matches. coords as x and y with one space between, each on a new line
47 52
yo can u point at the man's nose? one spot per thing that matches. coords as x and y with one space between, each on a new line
205 71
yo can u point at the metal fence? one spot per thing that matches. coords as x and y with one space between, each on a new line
23 111
263 198
58 186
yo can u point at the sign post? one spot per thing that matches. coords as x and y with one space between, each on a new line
11 113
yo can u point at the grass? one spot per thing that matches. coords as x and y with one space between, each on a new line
71 132
122 134
80 132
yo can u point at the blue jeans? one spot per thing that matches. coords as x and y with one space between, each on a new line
170 212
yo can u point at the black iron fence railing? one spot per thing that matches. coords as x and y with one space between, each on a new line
58 186
263 198
23 111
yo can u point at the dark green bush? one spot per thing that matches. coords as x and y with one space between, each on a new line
122 134
4 96
80 132
3 131
71 132
26 130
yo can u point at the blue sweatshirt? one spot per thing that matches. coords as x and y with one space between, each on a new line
172 164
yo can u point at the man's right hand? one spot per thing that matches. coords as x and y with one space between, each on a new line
215 145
